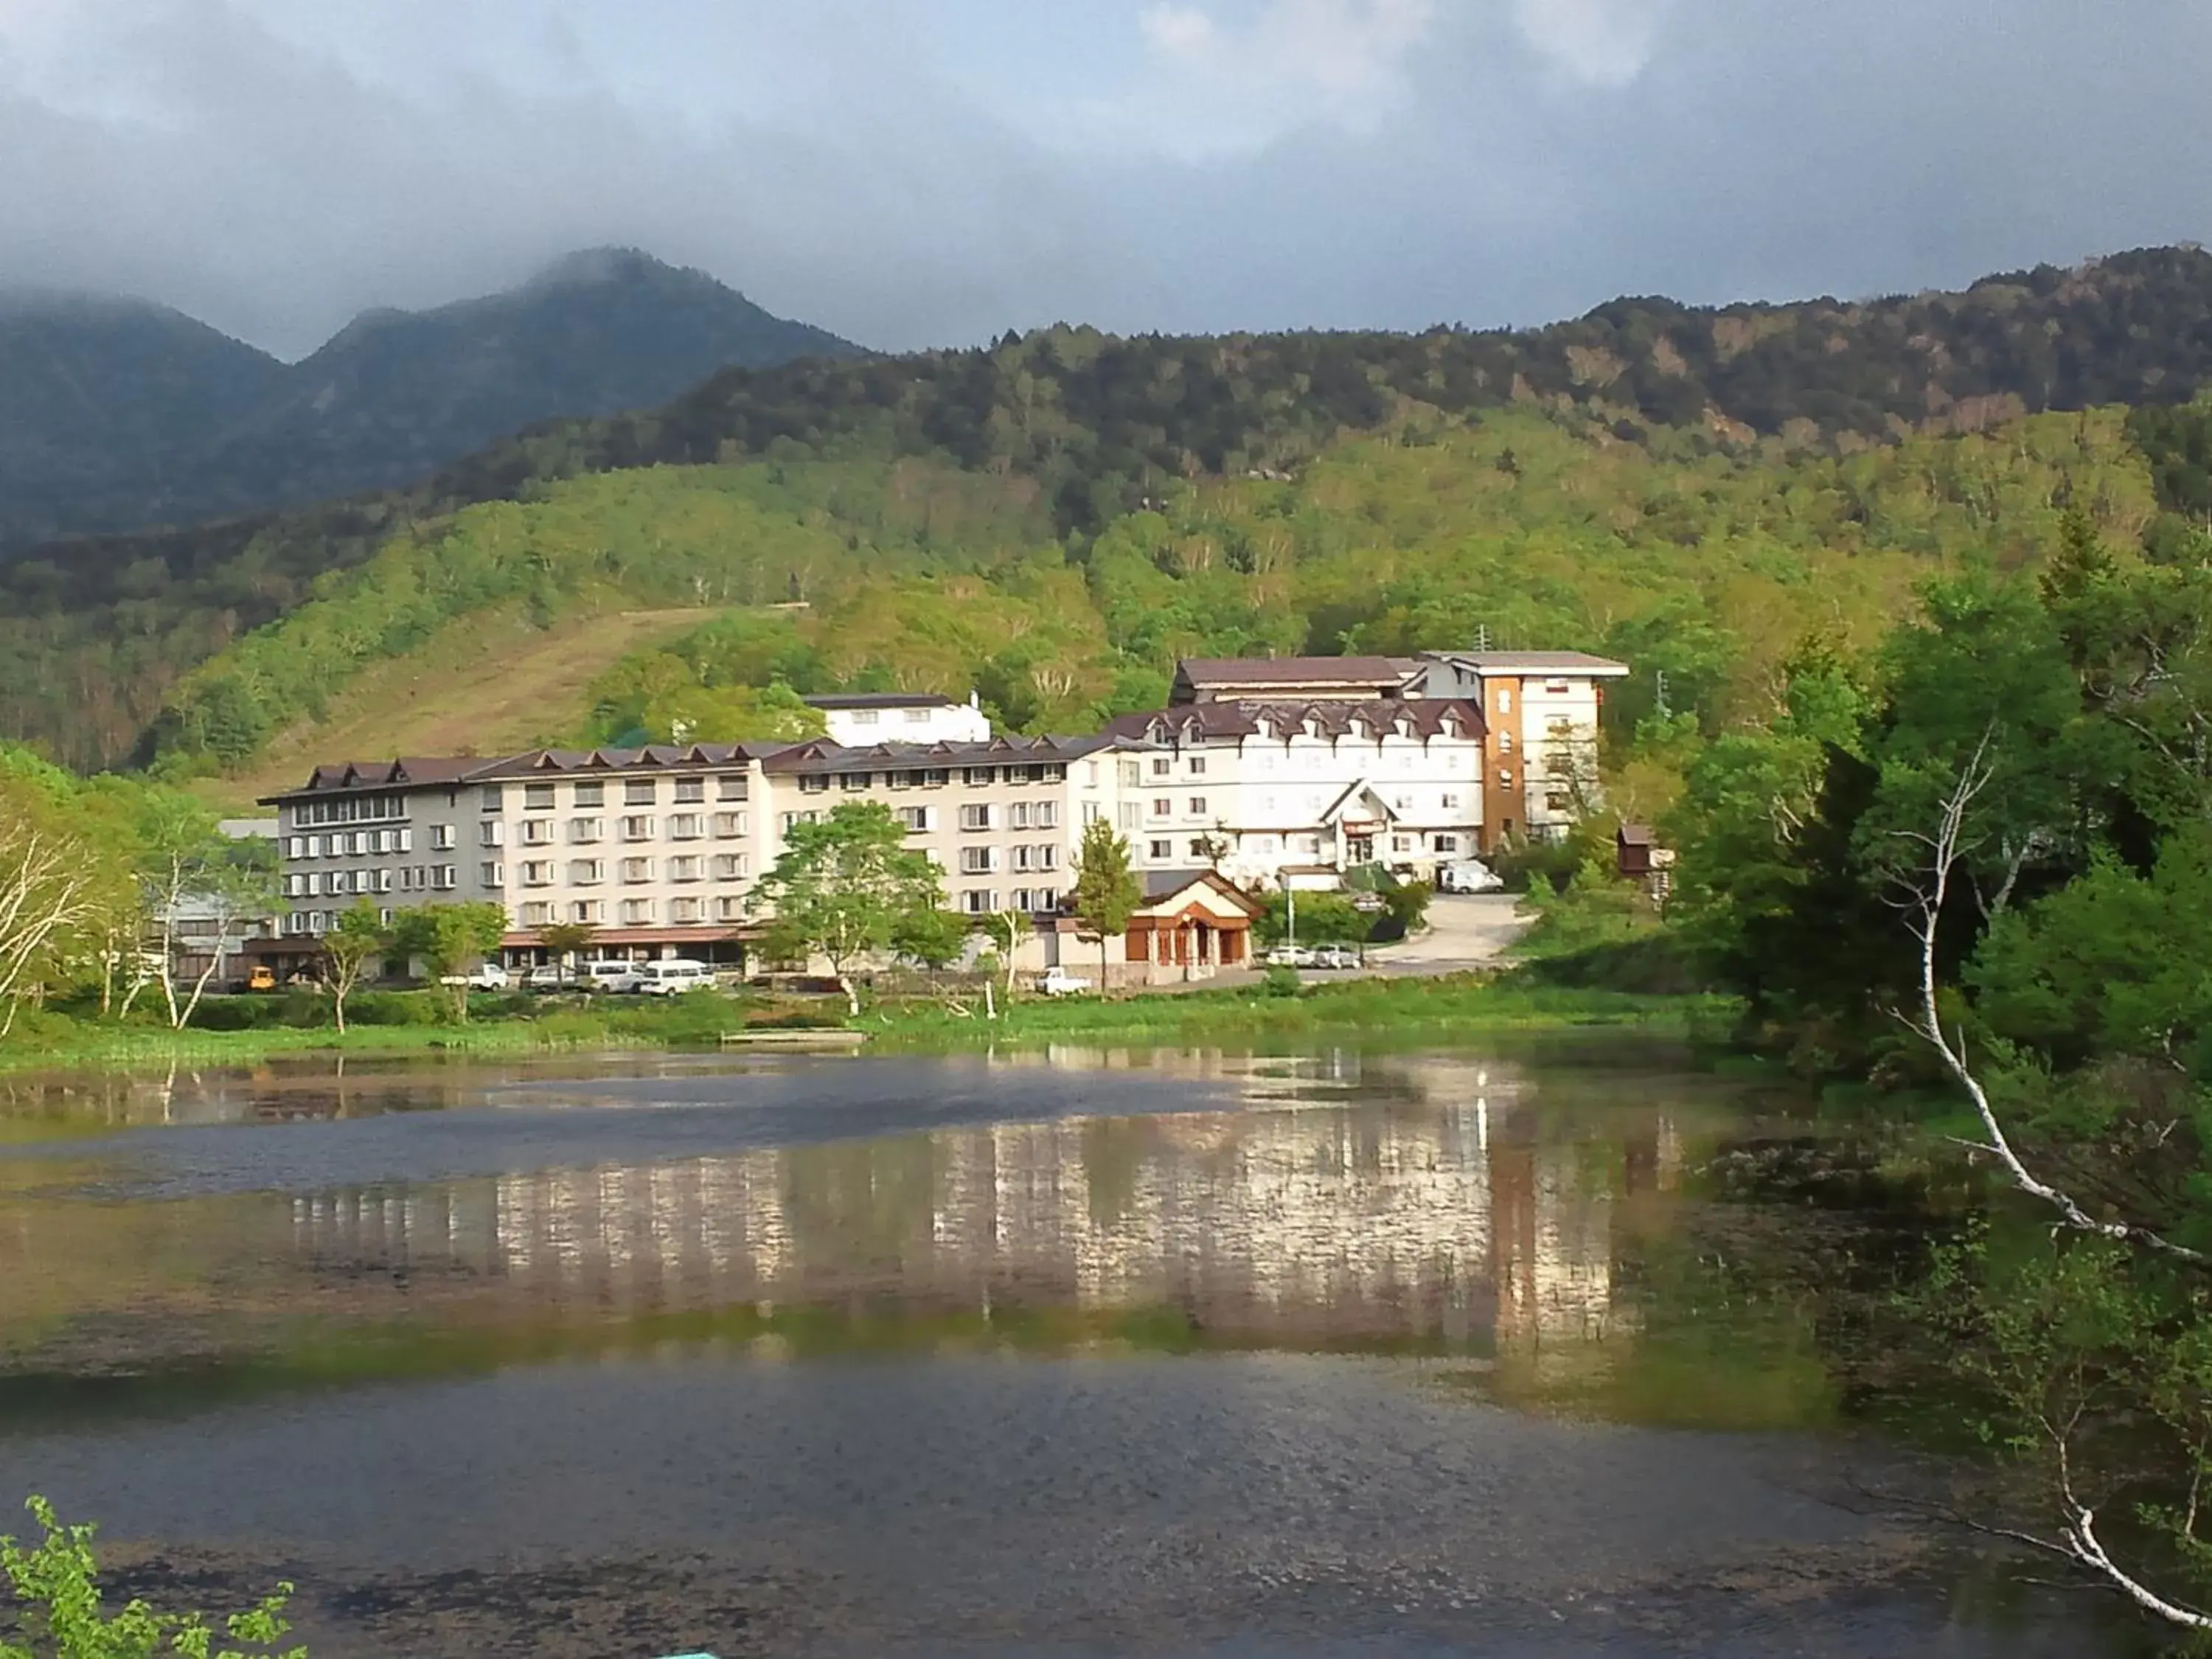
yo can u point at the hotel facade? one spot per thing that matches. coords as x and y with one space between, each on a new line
1267 771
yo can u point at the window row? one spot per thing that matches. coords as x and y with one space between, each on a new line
930 777
984 901
407 878
353 809
584 832
635 913
590 872
989 860
358 844
634 792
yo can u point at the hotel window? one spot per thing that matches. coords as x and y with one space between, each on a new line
586 872
731 785
686 826
1556 802
591 794
381 881
978 774
917 819
1131 773
730 866
637 913
1197 766
901 780
729 908
1162 850
814 783
491 797
1161 806
637 828
1402 843
1445 843
492 833
536 916
1045 815
1017 814
728 826
975 817
585 831
640 792
588 911
1504 699
936 777
537 797
1162 765
1557 688
690 789
978 860
916 717
636 870
979 901
445 877
1263 844
684 869
538 873
1201 849
793 820
1198 806
853 782
1451 802
535 832
861 716
685 910
441 837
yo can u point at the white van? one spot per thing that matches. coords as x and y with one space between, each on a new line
612 974
672 978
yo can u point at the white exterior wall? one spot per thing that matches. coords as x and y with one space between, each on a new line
1558 740
951 722
1023 831
1266 798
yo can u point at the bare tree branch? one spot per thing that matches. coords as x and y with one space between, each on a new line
1924 902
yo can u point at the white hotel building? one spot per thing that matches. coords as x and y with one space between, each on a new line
1272 771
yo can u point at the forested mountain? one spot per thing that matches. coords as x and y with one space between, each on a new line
1087 430
115 415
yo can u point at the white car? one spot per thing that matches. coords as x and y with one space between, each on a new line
1336 956
614 974
671 977
484 976
1059 983
1290 956
1468 876
546 977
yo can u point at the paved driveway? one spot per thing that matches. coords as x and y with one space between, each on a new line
1464 931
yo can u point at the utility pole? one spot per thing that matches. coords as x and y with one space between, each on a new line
1664 711
1482 636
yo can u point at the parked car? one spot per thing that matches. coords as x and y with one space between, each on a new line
673 976
1468 876
612 974
484 976
546 977
1059 983
261 977
1336 956
1291 956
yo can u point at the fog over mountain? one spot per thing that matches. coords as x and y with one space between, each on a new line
118 413
919 172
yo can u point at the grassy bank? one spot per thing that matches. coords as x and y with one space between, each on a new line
1395 1010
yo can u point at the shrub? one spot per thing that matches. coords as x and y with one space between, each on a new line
1280 980
393 1008
57 1583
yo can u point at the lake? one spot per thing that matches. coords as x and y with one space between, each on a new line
1537 1351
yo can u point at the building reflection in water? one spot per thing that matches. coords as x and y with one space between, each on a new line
1345 1199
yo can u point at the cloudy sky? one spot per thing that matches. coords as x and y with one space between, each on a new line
919 171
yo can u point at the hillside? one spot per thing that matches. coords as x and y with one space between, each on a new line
1531 528
1099 432
115 415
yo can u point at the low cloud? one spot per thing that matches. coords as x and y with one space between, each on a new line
917 171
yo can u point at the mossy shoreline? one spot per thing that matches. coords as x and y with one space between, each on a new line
1393 1011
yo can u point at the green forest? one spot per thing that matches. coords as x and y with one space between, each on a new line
1073 437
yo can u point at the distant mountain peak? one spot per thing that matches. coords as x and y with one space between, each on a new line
599 267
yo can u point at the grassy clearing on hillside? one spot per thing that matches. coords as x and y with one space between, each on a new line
485 685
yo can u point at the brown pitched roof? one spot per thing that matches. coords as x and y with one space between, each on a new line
1538 662
1221 722
403 772
825 755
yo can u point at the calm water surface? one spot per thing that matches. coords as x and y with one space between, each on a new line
1185 1353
